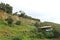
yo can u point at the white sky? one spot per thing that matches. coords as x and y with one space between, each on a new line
45 10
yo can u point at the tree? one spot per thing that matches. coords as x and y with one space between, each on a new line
22 14
6 7
15 13
2 6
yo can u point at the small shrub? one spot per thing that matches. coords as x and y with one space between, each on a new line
36 24
56 34
9 21
40 35
49 34
18 22
45 34
17 38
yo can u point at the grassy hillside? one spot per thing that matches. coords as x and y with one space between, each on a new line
22 31
7 32
23 27
25 31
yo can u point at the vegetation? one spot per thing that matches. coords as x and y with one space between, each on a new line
22 14
9 21
16 38
6 7
18 22
37 24
27 27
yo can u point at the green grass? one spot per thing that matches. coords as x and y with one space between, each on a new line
21 31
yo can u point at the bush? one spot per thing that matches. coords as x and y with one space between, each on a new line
40 35
32 33
49 34
17 38
18 22
45 34
37 24
56 34
9 21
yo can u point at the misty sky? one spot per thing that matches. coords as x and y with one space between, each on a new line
45 10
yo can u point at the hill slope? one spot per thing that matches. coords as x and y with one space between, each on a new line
25 31
8 33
